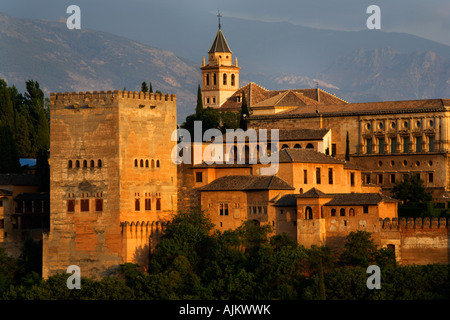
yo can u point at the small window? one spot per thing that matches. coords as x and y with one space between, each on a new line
365 209
352 179
318 178
333 212
99 205
99 163
84 205
158 204
351 212
342 212
157 164
430 177
146 163
232 80
92 163
330 175
153 163
135 162
148 204
84 163
223 209
305 176
70 205
392 177
77 163
199 177
70 164
142 163
137 205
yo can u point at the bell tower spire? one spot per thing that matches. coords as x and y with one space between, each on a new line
220 77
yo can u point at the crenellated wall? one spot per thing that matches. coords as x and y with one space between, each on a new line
417 240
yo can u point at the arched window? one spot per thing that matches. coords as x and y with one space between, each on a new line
309 146
214 79
224 79
153 163
333 212
142 163
146 163
342 212
135 162
351 212
92 163
297 146
308 213
247 154
99 163
234 154
158 204
77 163
84 163
70 164
137 205
157 164
232 80
207 79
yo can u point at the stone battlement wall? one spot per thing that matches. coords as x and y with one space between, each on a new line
86 98
414 223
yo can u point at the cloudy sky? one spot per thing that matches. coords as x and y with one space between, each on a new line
141 19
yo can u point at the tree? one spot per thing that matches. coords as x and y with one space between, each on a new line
359 250
144 87
150 89
244 113
347 148
411 190
9 159
199 107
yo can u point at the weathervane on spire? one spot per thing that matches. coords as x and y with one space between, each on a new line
219 16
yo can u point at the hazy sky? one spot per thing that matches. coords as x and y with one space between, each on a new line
133 18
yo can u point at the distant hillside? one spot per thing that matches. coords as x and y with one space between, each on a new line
85 60
386 74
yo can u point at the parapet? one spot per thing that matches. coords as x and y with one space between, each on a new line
88 98
414 223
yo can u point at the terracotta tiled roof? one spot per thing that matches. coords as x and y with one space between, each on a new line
314 193
306 156
247 183
257 95
402 106
288 200
354 199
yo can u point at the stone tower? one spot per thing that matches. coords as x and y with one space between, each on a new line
220 77
113 182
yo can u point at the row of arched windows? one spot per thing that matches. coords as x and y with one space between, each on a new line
84 164
146 163
224 79
342 212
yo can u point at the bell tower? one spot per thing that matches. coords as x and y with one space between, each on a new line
220 77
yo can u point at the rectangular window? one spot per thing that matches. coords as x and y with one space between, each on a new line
365 209
223 209
368 146
318 178
137 205
148 204
333 149
352 179
305 176
392 177
381 146
158 204
406 145
393 145
98 205
70 205
1 203
367 178
418 144
199 177
431 143
330 175
380 178
84 205
430 177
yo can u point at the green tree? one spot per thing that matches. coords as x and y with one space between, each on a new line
144 87
411 190
347 148
359 249
9 160
199 107
244 113
150 88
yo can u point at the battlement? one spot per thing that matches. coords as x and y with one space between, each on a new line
87 98
414 223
